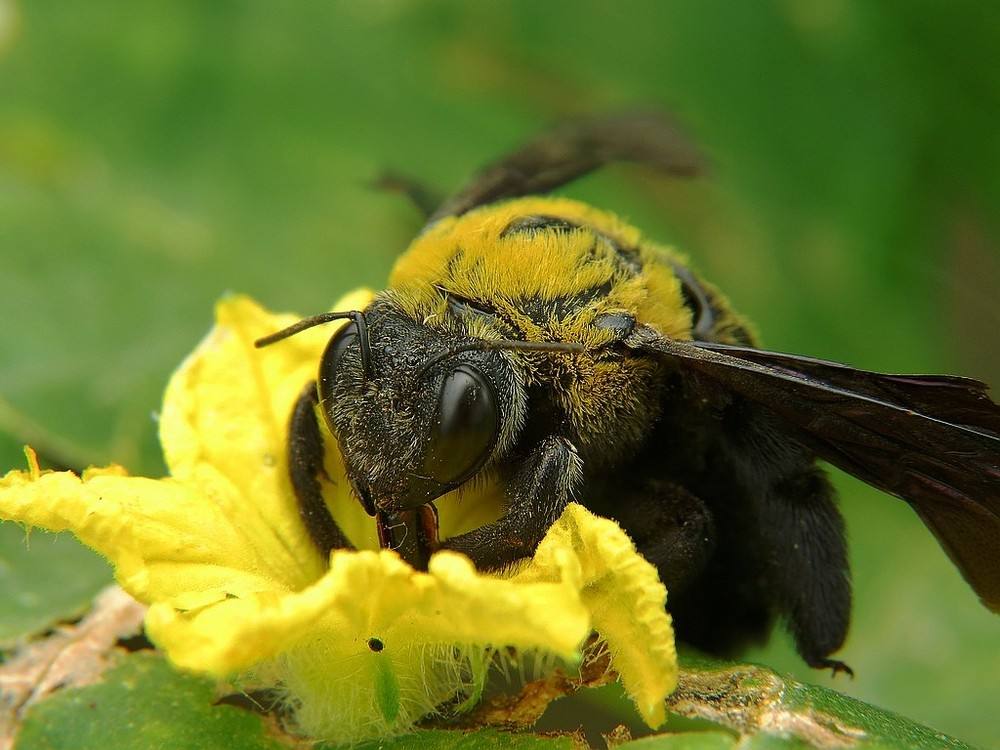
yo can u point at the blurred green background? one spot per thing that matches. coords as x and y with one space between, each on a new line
155 155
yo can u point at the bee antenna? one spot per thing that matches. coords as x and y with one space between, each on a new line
355 316
502 345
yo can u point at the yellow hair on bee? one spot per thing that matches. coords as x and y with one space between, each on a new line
476 257
552 269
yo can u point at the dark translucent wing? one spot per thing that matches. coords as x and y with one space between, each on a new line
949 397
573 150
931 440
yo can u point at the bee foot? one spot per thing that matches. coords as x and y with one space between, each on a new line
833 665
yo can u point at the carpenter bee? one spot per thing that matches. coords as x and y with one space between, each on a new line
544 348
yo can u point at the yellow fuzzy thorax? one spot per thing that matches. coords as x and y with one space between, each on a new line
470 256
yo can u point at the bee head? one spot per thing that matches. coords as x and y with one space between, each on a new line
415 413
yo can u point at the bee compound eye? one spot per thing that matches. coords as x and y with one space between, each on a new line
332 361
466 426
333 356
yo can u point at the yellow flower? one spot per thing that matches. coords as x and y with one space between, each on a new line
361 644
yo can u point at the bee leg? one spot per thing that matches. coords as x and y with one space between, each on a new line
670 527
809 571
538 493
305 464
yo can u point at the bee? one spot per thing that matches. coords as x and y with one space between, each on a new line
545 348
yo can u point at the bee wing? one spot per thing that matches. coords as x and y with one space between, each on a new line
571 151
932 440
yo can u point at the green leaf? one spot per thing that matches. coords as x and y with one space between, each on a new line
777 742
145 703
142 704
44 578
482 739
756 701
683 741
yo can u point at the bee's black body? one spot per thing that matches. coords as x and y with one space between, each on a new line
543 347
737 538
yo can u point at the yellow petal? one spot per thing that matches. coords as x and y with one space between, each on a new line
226 413
226 521
426 627
375 595
625 598
165 539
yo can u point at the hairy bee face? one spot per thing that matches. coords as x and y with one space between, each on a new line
409 432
